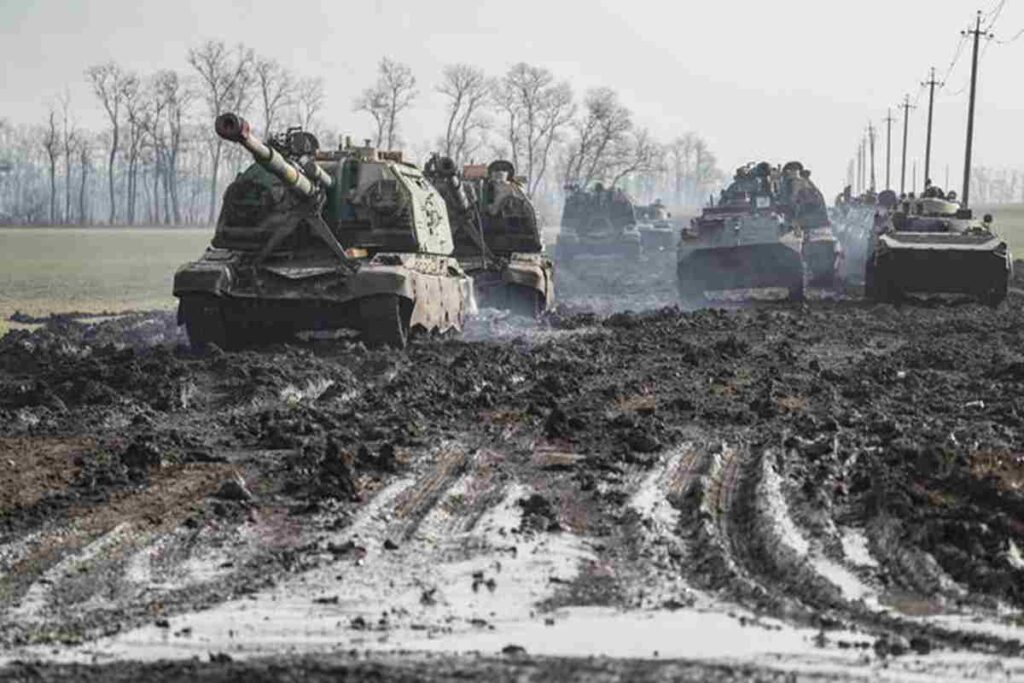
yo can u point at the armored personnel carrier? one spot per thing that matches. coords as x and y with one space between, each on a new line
931 245
497 239
321 240
600 223
752 239
656 231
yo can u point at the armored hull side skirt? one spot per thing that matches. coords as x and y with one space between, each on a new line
211 299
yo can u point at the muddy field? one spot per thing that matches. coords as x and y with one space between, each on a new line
830 490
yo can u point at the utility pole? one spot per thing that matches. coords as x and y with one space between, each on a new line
906 107
977 33
863 164
888 148
928 145
913 182
871 137
860 167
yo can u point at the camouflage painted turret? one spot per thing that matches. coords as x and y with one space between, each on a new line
321 240
497 239
931 245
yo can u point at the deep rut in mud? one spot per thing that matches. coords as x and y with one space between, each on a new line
823 487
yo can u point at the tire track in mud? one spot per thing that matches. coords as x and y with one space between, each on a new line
743 544
459 565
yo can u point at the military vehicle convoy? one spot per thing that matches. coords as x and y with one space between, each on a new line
598 223
496 234
312 239
931 245
768 230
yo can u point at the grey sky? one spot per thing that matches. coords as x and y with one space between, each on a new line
777 79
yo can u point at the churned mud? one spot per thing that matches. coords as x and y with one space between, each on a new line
829 490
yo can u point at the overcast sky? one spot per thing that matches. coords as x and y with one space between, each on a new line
778 79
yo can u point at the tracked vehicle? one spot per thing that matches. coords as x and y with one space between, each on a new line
497 238
931 245
657 233
766 224
322 240
599 223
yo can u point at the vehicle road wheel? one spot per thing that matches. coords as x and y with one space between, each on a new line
205 323
385 321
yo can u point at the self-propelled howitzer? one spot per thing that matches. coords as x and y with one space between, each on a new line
320 240
497 237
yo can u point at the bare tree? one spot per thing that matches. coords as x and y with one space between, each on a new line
536 108
69 140
392 94
176 97
600 137
276 89
705 169
467 91
83 174
309 100
637 154
138 109
680 152
374 102
154 126
226 75
109 82
51 143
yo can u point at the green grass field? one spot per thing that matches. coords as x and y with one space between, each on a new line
1008 222
50 270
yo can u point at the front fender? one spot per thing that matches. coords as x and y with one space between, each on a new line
202 277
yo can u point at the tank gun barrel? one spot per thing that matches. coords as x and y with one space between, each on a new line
234 128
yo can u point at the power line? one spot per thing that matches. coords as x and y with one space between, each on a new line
995 15
920 91
989 40
956 57
1011 40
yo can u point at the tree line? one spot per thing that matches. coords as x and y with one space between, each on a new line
997 185
157 160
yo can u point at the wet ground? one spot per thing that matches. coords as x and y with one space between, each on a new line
830 490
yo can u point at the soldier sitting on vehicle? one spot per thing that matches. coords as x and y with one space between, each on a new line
932 191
